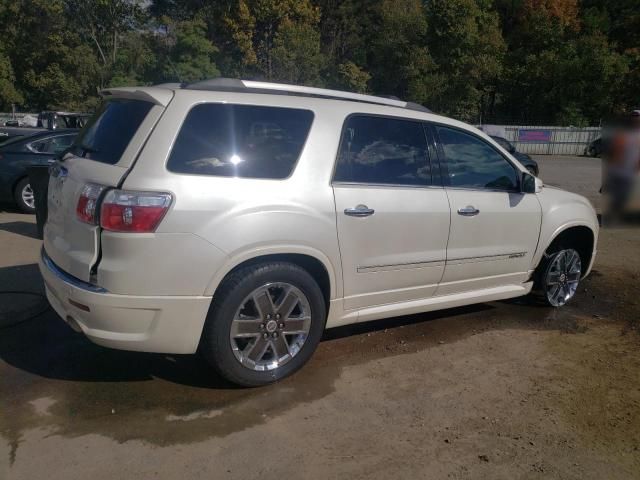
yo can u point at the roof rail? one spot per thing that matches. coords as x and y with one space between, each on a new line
236 85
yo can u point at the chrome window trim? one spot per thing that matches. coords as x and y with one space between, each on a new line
70 279
386 185
486 258
400 266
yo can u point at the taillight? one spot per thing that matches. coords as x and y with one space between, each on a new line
138 212
87 207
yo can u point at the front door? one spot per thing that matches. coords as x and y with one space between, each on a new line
393 223
494 227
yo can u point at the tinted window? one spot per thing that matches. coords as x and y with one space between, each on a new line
40 146
107 134
473 163
53 145
379 150
240 141
58 144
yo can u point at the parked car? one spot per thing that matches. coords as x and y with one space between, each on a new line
47 120
595 148
17 154
55 120
13 123
240 219
526 161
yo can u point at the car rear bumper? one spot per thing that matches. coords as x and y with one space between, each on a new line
163 324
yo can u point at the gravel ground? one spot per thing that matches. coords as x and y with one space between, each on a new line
501 390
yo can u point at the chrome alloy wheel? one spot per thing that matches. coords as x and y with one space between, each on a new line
27 196
270 327
563 276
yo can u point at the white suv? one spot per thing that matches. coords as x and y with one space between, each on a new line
243 218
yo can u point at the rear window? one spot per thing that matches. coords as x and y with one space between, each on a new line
240 141
106 136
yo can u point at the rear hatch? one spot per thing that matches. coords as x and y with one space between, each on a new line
101 156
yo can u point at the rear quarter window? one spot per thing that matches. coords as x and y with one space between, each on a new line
108 133
245 141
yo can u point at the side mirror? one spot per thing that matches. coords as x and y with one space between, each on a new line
530 184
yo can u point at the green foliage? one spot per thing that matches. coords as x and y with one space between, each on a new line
467 45
352 77
534 61
8 92
191 56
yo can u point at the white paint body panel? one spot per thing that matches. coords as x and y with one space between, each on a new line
398 253
414 254
497 244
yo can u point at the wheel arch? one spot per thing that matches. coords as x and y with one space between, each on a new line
316 263
16 181
580 236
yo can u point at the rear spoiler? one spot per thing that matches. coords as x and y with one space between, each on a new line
155 95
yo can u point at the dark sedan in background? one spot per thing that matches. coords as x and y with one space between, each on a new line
16 155
526 161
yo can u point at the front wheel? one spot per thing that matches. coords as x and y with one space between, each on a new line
265 322
560 277
23 196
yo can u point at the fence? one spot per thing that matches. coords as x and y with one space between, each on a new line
546 140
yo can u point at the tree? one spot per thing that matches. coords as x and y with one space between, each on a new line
398 59
191 55
51 65
8 93
276 39
467 45
106 25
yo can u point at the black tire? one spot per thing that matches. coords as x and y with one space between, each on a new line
216 346
540 289
18 198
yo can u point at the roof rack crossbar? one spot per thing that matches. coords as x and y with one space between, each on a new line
236 85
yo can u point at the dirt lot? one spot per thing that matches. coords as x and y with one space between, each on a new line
503 390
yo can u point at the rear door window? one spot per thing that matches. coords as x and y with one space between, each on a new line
383 151
108 133
246 141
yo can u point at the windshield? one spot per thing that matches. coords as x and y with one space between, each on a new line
109 131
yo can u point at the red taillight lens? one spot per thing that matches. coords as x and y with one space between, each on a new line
138 212
87 207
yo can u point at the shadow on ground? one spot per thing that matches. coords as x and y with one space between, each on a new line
25 229
126 395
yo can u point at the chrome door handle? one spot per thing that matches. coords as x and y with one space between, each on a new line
468 211
359 211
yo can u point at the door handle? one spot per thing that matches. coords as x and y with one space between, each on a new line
359 211
468 211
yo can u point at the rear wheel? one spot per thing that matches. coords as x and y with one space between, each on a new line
23 196
560 277
265 322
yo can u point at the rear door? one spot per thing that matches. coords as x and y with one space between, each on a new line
101 155
392 217
494 226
